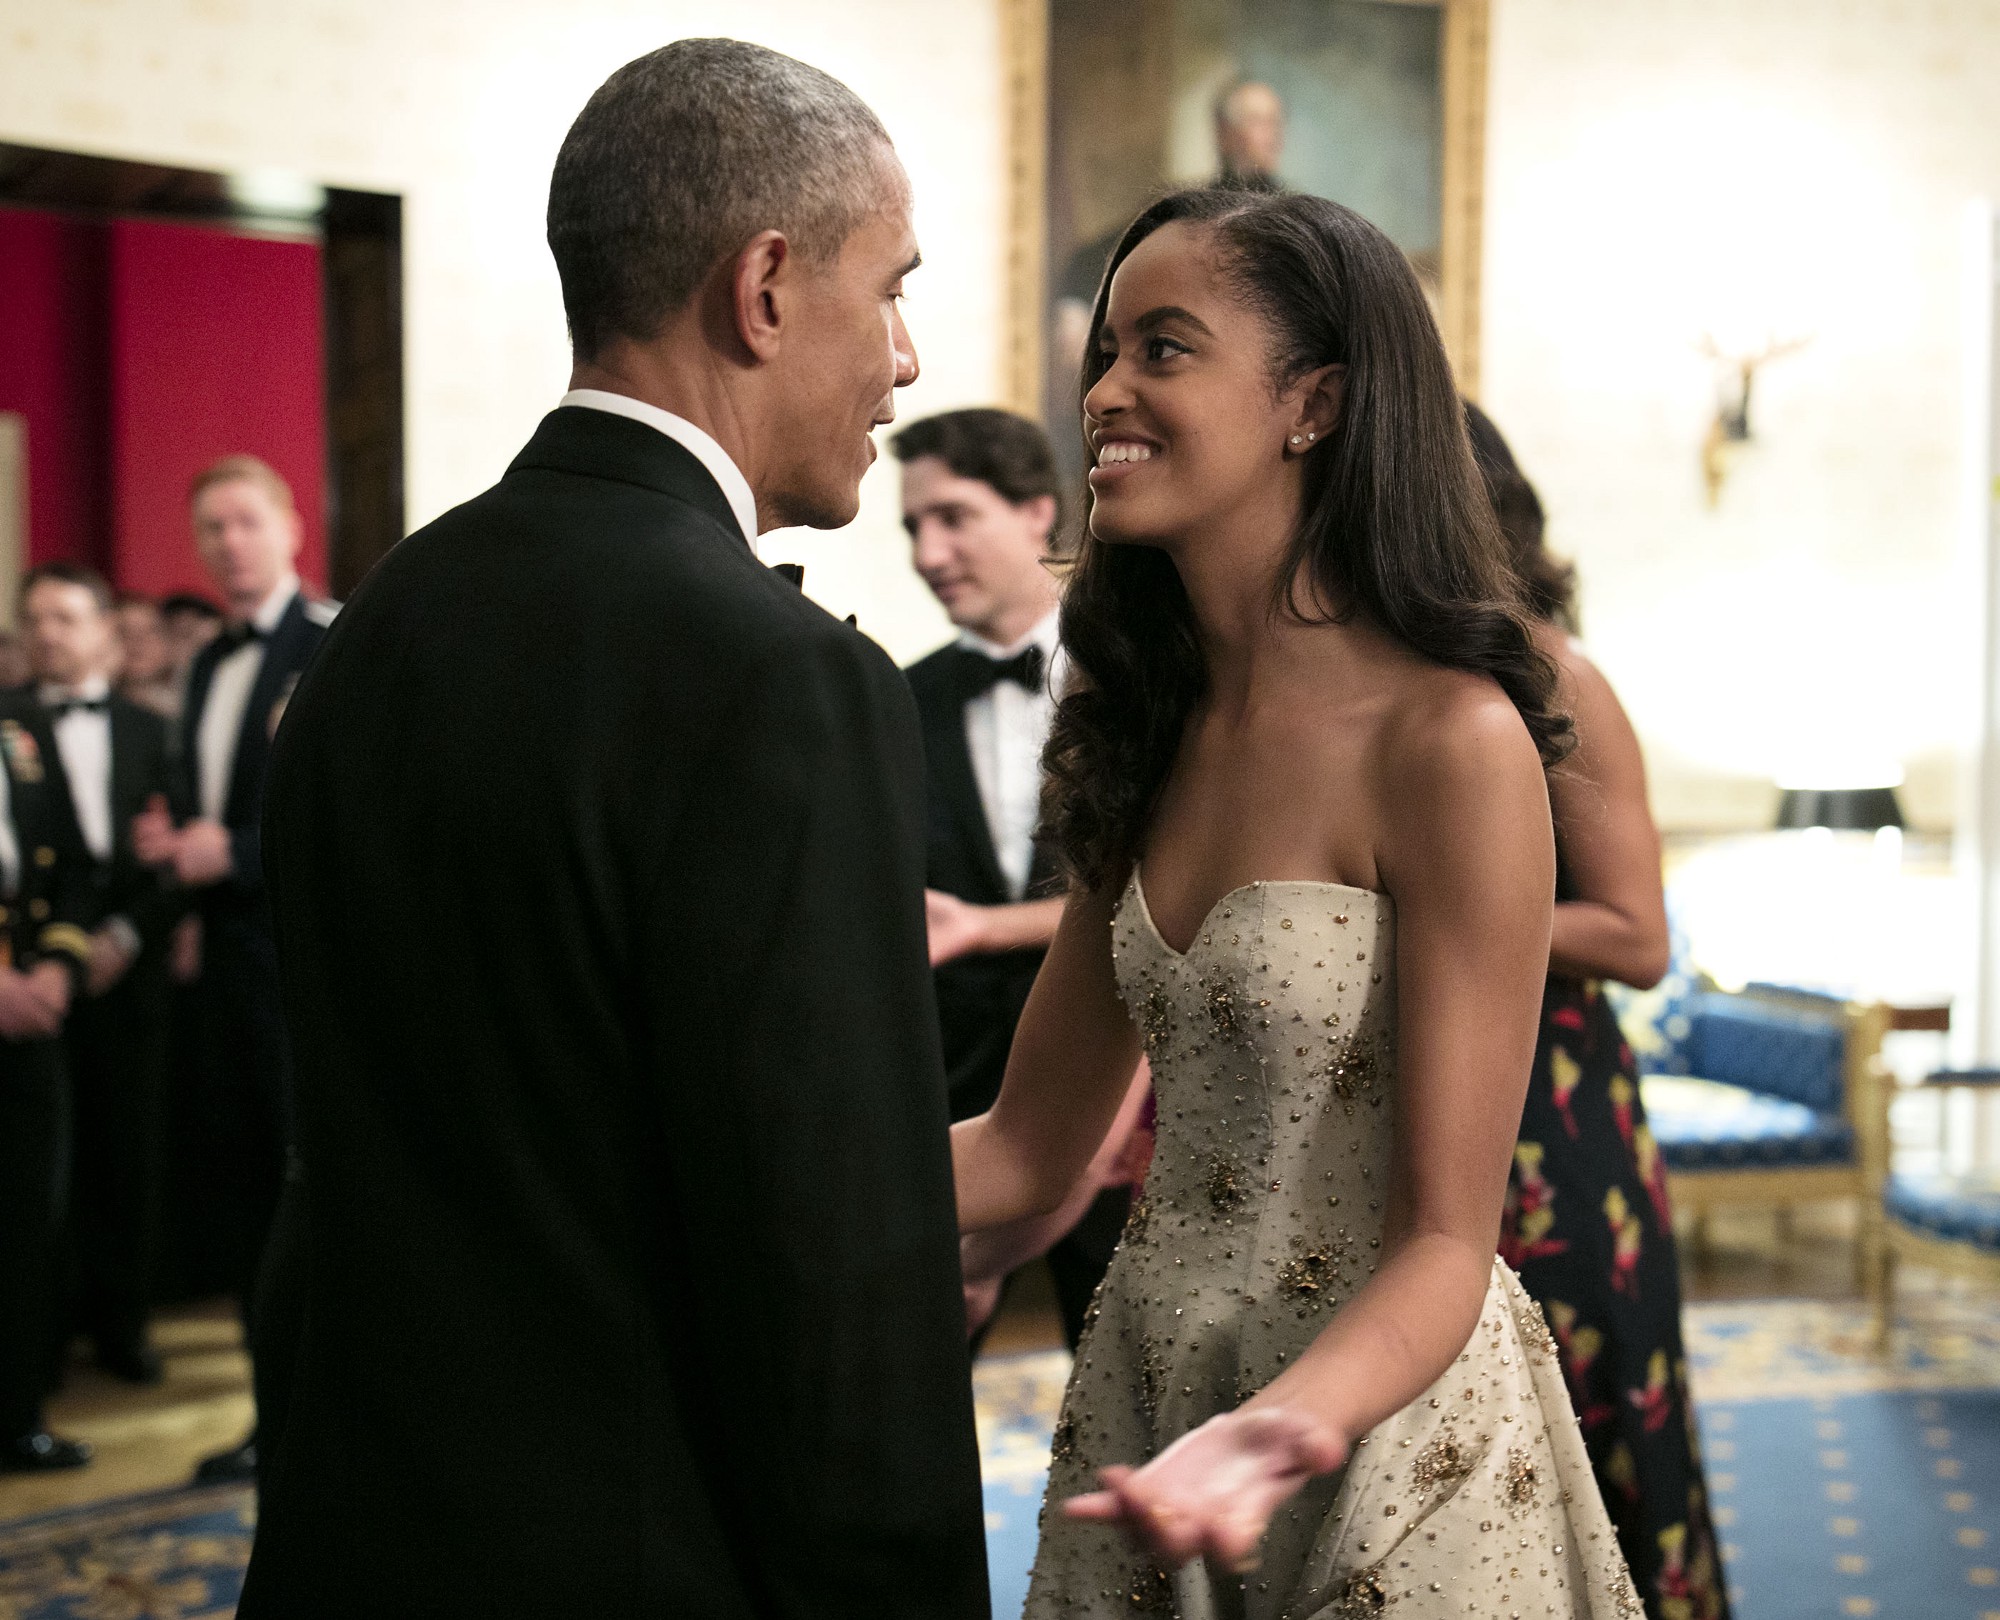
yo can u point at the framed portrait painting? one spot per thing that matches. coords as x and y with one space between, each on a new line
1378 104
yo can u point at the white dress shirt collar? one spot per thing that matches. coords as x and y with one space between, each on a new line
273 608
83 741
1044 635
735 487
88 691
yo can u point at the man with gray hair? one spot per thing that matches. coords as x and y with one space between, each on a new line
618 1270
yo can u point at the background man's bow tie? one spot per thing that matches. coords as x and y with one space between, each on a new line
237 637
978 673
78 705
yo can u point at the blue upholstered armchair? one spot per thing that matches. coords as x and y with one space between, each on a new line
1943 1218
1775 1099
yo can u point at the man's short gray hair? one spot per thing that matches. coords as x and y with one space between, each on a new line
684 155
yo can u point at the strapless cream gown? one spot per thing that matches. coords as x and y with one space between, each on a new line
1273 1051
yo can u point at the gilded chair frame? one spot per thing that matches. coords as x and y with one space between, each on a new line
1896 1244
1864 1087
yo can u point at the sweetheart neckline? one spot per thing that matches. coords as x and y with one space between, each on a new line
1201 928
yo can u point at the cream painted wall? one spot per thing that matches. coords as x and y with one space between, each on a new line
459 105
1660 169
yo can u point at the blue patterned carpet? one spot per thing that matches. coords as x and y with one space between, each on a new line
1845 1485
179 1555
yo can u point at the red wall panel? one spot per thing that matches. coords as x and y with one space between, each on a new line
216 347
52 371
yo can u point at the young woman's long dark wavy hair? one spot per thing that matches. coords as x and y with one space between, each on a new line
1395 523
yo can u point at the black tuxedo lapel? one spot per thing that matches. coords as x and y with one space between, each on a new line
597 444
285 650
201 676
129 783
957 789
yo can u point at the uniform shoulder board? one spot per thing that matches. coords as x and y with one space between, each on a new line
322 613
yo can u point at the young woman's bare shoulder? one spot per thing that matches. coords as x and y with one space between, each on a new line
1459 779
1455 733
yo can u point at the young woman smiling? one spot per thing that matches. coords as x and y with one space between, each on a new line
1299 781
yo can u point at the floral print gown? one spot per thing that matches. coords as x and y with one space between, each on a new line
1590 1233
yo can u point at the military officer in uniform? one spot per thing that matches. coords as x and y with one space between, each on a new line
247 532
45 917
111 757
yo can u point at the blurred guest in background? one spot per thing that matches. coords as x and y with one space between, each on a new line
111 757
190 623
44 955
1587 1223
146 673
14 669
980 507
246 529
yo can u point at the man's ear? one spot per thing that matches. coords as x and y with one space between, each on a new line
1040 511
760 290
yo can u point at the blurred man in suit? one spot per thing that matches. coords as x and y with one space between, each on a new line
247 531
624 1243
111 758
45 948
146 671
980 506
981 509
190 623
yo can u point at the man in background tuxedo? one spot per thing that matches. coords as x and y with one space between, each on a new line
246 530
980 507
624 1236
111 758
45 915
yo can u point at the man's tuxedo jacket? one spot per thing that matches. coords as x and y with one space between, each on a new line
142 766
624 1233
980 998
287 650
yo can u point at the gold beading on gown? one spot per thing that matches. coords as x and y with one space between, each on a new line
1272 1043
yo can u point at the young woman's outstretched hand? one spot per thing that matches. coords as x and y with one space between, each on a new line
1213 1491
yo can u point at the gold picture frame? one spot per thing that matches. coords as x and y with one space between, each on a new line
1024 35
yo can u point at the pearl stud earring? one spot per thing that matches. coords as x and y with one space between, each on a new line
1310 437
1296 439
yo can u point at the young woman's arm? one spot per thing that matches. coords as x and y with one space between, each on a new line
988 1257
1071 1064
1470 865
1614 923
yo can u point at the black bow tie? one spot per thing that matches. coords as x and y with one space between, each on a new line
63 706
979 674
239 636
